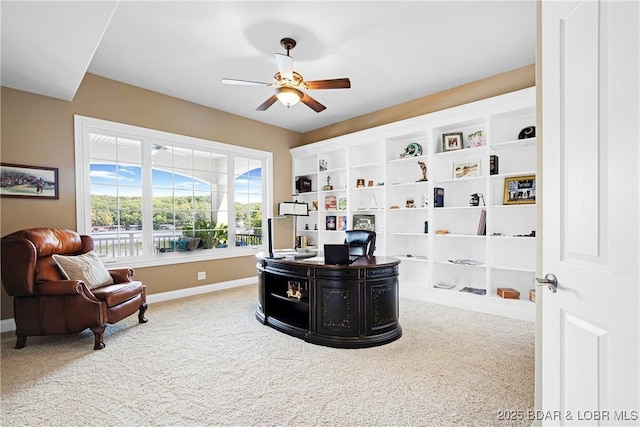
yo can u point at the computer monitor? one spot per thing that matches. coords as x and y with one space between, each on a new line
338 254
270 237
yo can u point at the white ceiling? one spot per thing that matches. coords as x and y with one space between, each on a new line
393 51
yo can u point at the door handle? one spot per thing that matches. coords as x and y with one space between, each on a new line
550 281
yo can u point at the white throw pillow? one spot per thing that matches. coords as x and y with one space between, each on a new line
86 267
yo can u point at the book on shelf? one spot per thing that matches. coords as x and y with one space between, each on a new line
330 203
476 291
342 203
438 197
342 223
331 222
482 223
493 164
303 184
466 261
444 285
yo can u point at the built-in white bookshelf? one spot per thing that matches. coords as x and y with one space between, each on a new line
379 176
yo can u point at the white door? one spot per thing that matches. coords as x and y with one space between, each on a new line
590 195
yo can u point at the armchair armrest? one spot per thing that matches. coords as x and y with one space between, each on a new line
18 266
60 287
121 275
65 287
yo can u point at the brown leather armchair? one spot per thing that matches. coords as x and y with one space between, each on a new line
46 303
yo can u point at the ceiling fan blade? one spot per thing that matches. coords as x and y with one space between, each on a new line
312 103
329 84
243 82
268 103
285 66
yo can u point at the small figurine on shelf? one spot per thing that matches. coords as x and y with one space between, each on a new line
296 290
328 186
423 167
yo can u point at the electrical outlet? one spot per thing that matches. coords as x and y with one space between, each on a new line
202 275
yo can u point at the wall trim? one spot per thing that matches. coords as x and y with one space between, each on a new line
8 325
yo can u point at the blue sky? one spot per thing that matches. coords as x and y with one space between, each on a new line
105 176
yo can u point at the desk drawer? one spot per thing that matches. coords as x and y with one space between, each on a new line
290 270
338 273
374 273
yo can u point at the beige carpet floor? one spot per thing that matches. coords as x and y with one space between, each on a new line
205 360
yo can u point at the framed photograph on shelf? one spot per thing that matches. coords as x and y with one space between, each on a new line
475 139
452 141
33 182
364 222
330 222
342 223
330 203
519 190
342 203
466 169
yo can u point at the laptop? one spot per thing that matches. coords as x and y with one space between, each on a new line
338 254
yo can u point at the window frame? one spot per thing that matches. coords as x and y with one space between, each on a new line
84 125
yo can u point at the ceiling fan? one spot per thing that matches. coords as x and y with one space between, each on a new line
289 85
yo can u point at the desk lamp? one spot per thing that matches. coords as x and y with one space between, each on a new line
294 209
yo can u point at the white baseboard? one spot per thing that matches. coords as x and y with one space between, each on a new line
8 325
513 309
198 290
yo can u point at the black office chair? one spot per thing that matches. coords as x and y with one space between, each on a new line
361 242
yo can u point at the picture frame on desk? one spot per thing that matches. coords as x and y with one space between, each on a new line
452 141
519 190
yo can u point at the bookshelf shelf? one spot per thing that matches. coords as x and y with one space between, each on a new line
381 156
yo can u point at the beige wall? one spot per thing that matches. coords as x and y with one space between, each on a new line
37 130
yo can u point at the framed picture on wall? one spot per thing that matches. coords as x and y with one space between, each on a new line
34 182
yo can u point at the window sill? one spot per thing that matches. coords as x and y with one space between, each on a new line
171 258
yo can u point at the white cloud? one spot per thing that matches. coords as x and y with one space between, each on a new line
103 174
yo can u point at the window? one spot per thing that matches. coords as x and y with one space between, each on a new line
153 197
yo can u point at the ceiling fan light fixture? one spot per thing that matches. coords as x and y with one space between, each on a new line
288 96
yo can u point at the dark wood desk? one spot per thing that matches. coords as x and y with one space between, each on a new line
351 306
